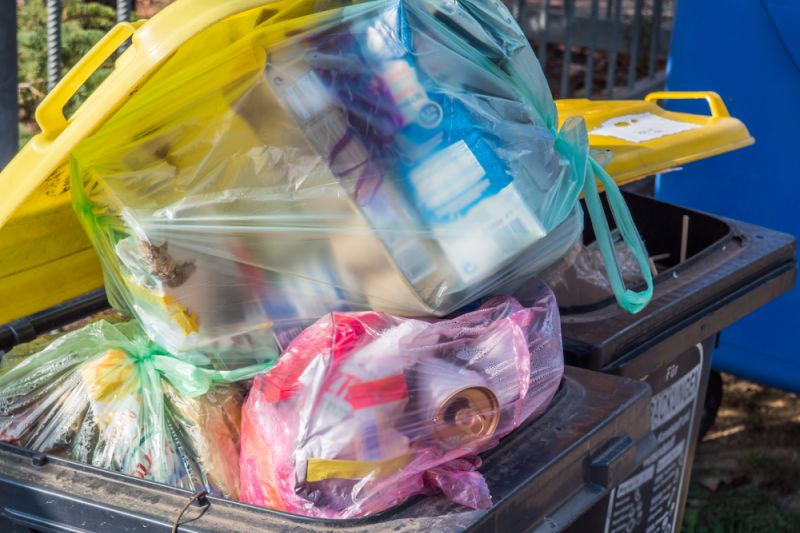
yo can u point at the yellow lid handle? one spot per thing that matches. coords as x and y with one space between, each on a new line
718 109
50 113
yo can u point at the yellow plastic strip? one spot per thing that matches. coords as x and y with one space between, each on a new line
49 284
322 469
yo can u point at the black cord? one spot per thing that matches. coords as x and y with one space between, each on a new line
197 496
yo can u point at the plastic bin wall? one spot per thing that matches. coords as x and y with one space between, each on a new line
543 476
653 498
732 269
748 51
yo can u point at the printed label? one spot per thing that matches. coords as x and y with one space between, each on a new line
409 94
386 214
450 180
489 234
641 127
110 385
649 500
306 98
413 260
667 403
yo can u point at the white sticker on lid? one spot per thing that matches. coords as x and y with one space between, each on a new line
641 127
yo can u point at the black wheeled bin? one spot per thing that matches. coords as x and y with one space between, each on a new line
591 463
730 269
550 471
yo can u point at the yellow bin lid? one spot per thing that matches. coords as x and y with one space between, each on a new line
644 138
44 257
46 155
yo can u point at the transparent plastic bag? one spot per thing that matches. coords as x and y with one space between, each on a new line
107 396
320 155
579 279
365 409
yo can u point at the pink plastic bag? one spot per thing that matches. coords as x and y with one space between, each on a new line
364 410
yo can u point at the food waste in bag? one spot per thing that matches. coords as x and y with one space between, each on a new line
365 410
336 156
106 396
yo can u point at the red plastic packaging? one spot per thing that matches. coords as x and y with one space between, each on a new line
364 410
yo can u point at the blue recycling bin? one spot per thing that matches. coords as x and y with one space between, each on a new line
749 52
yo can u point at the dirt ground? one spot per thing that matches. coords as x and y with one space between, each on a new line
746 474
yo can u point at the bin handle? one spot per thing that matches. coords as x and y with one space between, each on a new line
715 102
50 113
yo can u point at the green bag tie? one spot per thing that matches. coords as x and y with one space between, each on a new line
573 143
193 381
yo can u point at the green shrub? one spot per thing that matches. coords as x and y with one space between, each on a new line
83 24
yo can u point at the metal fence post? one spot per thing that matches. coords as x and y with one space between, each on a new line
9 132
123 10
654 39
544 24
634 50
612 61
566 67
53 43
518 10
589 79
123 15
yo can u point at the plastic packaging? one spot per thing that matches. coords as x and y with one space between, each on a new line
578 279
106 396
365 410
395 155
